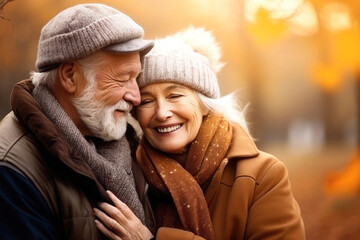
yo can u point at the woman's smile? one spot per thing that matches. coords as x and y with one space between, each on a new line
168 129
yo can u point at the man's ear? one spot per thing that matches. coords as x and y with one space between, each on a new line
66 76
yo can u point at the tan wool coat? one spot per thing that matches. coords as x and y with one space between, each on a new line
249 197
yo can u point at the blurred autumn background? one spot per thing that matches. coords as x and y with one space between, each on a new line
295 62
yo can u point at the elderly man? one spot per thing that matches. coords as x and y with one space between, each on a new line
67 139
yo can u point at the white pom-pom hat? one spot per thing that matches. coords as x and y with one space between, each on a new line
189 57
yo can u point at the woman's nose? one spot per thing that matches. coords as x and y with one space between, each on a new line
163 111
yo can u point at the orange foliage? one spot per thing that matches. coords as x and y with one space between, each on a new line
343 55
327 76
346 49
265 29
346 182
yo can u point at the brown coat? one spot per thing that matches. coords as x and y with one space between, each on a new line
249 198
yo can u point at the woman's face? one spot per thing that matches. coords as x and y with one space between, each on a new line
170 116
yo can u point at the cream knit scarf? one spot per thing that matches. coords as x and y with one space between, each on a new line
109 161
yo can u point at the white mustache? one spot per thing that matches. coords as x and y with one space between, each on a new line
122 106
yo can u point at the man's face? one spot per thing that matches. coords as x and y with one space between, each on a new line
104 104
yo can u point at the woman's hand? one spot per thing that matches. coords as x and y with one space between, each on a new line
119 222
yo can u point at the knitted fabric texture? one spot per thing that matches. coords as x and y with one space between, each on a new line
187 207
171 60
83 29
110 162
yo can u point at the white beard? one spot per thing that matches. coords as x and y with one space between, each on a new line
99 118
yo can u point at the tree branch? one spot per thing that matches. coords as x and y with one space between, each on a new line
2 5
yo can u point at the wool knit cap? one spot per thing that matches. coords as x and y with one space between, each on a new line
189 57
83 29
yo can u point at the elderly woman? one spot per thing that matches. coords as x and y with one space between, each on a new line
207 179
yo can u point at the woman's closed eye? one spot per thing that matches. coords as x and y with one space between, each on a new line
146 101
175 96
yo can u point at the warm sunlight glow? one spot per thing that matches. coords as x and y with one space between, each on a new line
304 22
276 8
282 8
301 15
251 7
336 16
204 7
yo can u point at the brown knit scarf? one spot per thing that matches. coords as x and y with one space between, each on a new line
187 209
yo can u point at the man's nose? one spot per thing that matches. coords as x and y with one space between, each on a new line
132 93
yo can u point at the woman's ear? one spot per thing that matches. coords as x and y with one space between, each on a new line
66 76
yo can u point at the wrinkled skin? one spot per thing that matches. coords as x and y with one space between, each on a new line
119 222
